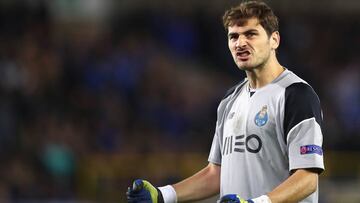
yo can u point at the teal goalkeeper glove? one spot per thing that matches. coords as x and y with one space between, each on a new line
232 198
143 192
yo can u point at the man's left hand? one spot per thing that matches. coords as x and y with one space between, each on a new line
233 198
143 192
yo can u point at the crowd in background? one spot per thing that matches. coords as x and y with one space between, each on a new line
146 83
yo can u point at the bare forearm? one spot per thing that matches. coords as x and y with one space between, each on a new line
203 184
297 187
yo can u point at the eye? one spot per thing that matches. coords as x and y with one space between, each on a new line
233 36
250 34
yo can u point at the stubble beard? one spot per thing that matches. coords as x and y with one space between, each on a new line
251 66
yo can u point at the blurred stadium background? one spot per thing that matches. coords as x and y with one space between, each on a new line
94 93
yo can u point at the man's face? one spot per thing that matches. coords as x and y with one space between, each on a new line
250 45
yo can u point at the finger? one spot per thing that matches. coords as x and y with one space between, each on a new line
137 199
138 185
129 191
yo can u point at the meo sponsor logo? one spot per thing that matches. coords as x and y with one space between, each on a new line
240 143
311 149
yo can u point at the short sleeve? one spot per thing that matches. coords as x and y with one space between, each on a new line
302 127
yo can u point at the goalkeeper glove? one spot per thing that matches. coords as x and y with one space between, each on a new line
143 192
232 198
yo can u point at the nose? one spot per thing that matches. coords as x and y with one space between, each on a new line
241 42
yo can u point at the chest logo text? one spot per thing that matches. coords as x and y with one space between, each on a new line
251 143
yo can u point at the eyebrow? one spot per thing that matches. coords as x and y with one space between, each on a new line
245 32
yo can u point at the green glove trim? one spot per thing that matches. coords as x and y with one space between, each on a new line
153 191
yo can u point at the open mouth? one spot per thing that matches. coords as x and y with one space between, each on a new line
243 55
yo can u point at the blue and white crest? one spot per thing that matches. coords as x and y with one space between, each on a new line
262 117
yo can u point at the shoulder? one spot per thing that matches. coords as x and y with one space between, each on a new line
227 97
234 88
301 97
301 102
288 78
301 91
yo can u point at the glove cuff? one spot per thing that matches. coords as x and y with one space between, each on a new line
169 194
261 199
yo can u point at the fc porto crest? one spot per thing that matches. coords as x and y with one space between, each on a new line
261 117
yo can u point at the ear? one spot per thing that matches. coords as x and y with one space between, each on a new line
275 40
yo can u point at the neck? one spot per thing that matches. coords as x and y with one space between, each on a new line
261 76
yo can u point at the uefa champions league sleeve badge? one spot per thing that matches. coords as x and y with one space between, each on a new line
262 117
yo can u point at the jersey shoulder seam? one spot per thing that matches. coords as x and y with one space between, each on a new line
233 88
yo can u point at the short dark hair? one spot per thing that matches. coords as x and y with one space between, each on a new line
238 15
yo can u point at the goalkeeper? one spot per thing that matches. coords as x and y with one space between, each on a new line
267 145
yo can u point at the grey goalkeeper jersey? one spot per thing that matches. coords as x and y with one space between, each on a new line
260 137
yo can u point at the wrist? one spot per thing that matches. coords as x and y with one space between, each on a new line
168 193
261 199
